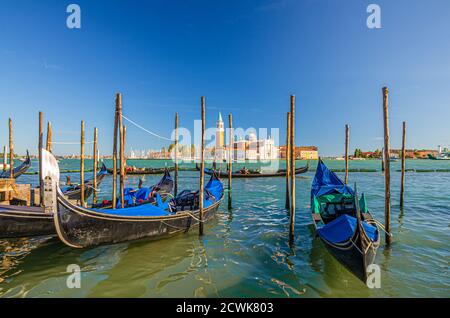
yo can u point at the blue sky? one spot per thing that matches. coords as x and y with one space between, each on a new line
246 57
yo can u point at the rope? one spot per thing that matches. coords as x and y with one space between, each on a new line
382 227
146 130
69 142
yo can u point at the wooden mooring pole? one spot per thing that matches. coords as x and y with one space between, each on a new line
230 160
175 189
95 164
202 168
40 145
387 168
49 137
121 159
288 161
5 160
292 162
114 168
347 139
82 199
402 185
11 151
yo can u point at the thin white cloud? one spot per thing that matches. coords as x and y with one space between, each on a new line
51 66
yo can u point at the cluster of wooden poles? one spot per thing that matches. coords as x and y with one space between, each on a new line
120 129
49 147
385 164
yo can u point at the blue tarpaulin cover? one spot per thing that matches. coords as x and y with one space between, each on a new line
327 182
342 228
214 187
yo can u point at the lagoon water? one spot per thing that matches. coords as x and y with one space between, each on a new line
245 252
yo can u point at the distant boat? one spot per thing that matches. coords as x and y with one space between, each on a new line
244 173
73 191
142 171
393 159
441 156
19 170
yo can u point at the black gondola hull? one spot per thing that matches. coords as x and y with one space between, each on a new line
355 254
78 227
279 173
23 221
147 171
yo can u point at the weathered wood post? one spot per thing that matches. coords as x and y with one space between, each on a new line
347 137
402 186
49 137
5 156
288 161
121 159
175 189
292 159
382 160
82 199
116 124
40 145
11 151
387 168
230 160
95 164
202 168
124 152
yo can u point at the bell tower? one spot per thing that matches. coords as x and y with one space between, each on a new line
220 133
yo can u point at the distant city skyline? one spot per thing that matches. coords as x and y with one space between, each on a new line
245 57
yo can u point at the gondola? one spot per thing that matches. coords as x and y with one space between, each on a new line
27 221
343 222
79 227
73 192
143 171
254 174
19 170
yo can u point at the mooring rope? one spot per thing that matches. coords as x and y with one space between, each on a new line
382 227
146 130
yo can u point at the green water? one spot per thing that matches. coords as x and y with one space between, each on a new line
244 252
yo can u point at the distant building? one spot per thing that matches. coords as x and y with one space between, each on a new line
254 149
303 153
243 149
414 153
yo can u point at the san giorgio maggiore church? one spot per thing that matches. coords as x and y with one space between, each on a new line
243 148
